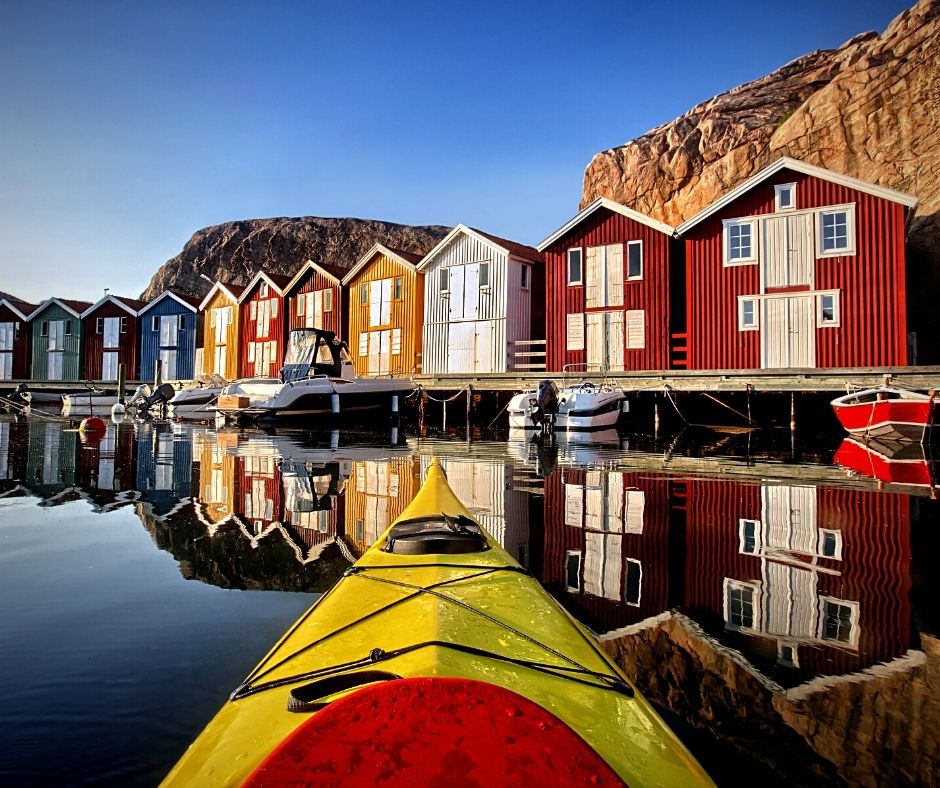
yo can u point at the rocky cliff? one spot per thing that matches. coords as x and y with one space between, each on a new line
869 109
235 251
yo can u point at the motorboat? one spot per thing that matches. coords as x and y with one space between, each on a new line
578 406
96 401
895 463
196 402
886 413
318 380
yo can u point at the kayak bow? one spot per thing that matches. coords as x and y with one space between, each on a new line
436 657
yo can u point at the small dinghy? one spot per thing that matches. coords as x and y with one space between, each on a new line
886 413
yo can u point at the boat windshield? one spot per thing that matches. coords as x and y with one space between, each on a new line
309 352
300 348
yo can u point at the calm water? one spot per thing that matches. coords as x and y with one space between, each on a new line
781 613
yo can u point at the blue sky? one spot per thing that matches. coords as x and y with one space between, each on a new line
128 126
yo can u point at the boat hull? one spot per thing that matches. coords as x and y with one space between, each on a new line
579 408
897 420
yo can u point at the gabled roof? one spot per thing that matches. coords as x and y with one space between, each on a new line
21 308
511 248
232 291
72 307
785 162
130 305
183 300
331 272
610 205
276 281
407 259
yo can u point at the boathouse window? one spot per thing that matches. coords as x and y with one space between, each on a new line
787 655
633 582
68 328
123 325
836 231
838 621
827 309
525 277
155 323
575 267
327 300
830 544
575 332
635 260
741 604
99 325
263 290
484 275
740 241
444 281
44 328
364 293
182 323
785 196
748 536
747 314
573 571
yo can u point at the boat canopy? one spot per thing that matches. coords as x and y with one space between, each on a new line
312 351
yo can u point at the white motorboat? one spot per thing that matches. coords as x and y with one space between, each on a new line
318 380
578 406
96 402
196 402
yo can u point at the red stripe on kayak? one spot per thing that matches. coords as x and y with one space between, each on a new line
434 732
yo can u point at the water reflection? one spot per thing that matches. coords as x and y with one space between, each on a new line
786 579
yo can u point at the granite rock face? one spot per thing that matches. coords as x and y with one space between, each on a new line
869 109
235 251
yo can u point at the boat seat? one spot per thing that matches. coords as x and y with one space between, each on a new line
437 534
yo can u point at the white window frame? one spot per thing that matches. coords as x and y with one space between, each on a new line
823 532
758 534
742 326
849 210
626 261
485 266
155 323
580 280
568 555
727 262
443 281
328 300
263 290
836 321
181 326
794 649
729 585
99 325
639 597
778 191
525 278
44 328
67 330
853 619
574 317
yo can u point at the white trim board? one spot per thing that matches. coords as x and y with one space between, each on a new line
610 205
367 258
12 307
261 275
308 266
48 302
167 294
114 300
218 286
462 229
785 162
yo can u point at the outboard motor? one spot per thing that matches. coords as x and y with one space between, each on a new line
546 404
161 395
21 395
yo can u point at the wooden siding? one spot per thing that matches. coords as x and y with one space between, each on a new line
71 344
228 340
498 315
188 338
650 294
405 314
873 330
126 347
376 494
20 353
217 489
334 320
252 332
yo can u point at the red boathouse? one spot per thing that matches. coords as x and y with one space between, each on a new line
110 331
261 323
798 267
15 338
315 298
609 282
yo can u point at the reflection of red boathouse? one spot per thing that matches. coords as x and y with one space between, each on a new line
606 545
812 578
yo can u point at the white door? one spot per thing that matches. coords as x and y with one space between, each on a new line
788 332
605 340
54 364
788 251
7 334
456 286
471 291
109 365
615 340
168 361
483 351
603 564
6 366
220 320
460 342
169 329
56 335
112 331
220 360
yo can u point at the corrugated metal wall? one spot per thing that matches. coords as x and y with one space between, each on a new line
335 320
872 283
186 339
94 342
651 293
72 344
504 312
406 314
229 370
248 332
22 344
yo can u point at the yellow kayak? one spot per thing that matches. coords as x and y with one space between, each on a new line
436 658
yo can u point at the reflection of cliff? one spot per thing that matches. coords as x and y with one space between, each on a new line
230 560
874 726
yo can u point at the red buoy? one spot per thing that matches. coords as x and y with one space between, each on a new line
93 424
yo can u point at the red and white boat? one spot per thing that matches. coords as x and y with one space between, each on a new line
905 464
886 413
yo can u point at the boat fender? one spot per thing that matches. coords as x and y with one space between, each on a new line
311 697
334 402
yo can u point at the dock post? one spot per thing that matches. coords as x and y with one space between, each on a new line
422 410
157 374
656 416
469 397
444 415
792 411
122 382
